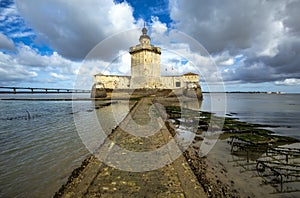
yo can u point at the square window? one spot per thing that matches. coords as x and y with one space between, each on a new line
177 84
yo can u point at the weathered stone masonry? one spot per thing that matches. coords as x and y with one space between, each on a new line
145 71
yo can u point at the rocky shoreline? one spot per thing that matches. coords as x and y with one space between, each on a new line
213 187
214 177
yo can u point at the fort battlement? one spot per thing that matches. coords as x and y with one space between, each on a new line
145 73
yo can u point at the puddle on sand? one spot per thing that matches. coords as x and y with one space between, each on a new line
243 176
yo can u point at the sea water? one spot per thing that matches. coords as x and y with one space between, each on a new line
280 110
40 146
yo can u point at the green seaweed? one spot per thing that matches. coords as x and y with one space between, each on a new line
248 132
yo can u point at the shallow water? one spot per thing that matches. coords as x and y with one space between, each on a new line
272 109
37 153
40 146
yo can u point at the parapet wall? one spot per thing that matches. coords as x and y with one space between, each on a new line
113 81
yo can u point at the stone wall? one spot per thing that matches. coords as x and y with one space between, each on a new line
164 82
145 63
172 82
189 77
113 81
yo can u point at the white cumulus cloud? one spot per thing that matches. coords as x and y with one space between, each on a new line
59 76
27 63
288 82
73 28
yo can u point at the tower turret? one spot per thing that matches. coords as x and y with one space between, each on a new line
144 38
145 62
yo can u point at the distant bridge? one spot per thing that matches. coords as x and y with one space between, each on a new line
38 90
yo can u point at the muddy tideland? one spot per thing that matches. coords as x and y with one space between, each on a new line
246 161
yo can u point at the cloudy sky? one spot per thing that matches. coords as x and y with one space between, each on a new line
255 45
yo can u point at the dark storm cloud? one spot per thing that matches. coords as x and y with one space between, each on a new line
285 64
293 15
265 32
223 24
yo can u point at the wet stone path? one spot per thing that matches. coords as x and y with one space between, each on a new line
134 162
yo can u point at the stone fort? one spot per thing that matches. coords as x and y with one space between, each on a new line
145 72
